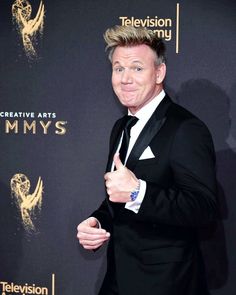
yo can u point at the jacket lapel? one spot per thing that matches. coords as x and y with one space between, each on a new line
149 131
115 140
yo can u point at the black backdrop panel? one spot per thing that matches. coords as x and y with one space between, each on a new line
56 112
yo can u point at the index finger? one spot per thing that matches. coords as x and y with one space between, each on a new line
91 230
107 176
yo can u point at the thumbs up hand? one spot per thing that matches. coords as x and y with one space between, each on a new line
120 183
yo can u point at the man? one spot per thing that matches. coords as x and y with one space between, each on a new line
162 190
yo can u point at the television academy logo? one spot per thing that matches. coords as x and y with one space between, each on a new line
10 288
28 204
22 289
166 28
28 27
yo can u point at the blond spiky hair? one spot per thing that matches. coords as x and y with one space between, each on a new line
131 36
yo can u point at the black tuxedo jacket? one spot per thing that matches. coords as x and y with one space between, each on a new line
156 251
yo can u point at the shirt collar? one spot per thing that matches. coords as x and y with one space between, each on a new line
145 112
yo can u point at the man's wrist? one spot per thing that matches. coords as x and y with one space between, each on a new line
135 192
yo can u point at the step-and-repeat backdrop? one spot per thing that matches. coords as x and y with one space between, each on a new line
56 112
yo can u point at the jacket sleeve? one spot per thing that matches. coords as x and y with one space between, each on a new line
104 216
191 199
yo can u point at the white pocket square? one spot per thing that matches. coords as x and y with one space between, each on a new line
147 154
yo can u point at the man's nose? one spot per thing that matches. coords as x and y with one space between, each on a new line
126 77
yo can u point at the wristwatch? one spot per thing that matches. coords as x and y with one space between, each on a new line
135 192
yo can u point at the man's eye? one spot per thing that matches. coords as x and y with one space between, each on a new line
138 69
119 69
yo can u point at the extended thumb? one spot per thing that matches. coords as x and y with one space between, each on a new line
92 222
117 161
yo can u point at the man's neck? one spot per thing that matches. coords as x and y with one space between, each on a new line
150 107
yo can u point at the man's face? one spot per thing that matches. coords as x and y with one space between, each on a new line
136 79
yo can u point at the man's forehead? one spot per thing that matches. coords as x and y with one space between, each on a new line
133 48
135 53
135 61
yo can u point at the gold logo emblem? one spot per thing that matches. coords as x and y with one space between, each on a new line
27 203
27 27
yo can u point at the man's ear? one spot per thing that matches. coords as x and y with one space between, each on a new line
160 73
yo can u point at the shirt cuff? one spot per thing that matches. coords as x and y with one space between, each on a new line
135 205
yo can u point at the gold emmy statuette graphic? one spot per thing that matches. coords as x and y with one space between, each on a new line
21 12
26 202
